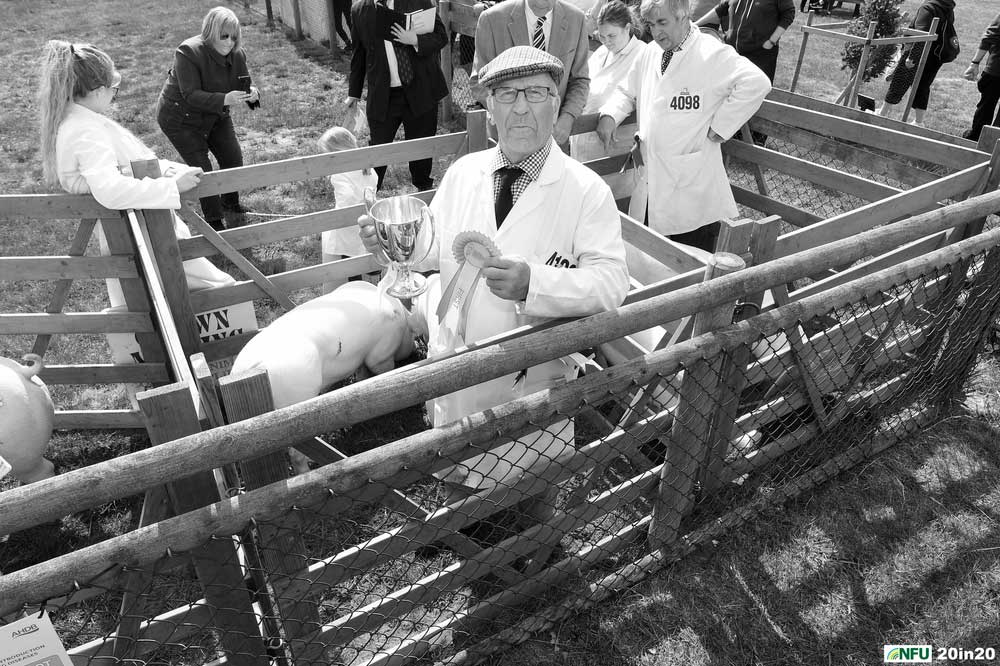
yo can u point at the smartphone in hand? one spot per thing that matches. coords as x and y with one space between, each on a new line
245 87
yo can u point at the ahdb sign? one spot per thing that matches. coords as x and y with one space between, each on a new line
906 654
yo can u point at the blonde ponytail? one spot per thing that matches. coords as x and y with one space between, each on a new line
67 72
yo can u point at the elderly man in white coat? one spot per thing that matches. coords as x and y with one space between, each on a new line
692 93
554 236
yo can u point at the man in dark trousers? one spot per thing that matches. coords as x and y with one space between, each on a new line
403 70
989 79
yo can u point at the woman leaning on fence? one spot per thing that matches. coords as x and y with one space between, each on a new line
85 151
209 76
608 66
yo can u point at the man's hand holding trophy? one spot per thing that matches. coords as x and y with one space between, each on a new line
399 232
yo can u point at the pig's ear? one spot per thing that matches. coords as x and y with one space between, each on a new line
33 364
416 319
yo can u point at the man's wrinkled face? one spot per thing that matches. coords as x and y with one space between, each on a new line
524 111
668 29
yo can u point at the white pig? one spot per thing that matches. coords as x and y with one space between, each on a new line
353 329
26 414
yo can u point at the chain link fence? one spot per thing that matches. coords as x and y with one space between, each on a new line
451 544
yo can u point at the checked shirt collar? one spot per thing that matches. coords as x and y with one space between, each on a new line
530 165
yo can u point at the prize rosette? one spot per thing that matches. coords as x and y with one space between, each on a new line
471 249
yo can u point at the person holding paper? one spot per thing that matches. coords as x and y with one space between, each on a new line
403 71
552 245
208 78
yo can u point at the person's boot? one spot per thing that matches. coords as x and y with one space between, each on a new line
235 216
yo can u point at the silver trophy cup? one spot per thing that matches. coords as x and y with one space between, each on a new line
404 226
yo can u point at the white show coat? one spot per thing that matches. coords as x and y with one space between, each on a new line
93 156
566 226
349 190
706 85
607 70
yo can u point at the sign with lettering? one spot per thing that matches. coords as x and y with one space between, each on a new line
213 325
32 641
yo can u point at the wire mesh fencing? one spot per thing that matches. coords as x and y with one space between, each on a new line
826 175
453 543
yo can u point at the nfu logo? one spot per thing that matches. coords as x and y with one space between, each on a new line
906 654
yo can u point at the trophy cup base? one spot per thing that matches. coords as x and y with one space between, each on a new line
410 286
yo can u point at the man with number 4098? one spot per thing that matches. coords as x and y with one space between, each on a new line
691 93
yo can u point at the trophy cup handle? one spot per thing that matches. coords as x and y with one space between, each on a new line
428 221
369 199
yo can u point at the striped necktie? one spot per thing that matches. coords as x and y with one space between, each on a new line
538 39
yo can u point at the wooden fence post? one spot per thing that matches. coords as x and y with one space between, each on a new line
859 75
159 228
689 435
989 142
283 554
802 52
447 65
297 19
733 374
170 415
920 70
475 128
976 315
61 290
136 297
270 14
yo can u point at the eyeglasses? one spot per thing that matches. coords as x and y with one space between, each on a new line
114 93
224 36
533 94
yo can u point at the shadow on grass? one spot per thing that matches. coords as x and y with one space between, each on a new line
901 550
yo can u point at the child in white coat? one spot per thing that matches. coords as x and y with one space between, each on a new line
349 190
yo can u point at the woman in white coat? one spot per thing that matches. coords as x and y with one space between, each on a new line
608 66
86 152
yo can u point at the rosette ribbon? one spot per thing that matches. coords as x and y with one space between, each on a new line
471 249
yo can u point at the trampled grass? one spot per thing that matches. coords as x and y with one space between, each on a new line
905 549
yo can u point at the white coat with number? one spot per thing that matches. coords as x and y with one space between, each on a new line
707 85
566 226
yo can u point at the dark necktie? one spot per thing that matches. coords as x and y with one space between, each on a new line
665 60
505 200
404 66
538 39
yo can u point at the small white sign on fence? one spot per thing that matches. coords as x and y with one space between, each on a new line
213 325
32 641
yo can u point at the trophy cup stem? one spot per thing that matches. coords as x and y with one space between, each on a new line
407 284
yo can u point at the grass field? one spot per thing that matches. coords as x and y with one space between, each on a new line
905 549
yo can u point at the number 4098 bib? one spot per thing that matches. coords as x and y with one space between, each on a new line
685 101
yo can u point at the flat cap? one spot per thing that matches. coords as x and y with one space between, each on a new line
518 61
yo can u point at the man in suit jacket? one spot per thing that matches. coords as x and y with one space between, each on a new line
506 24
404 78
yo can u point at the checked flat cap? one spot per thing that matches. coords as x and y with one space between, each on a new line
518 61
